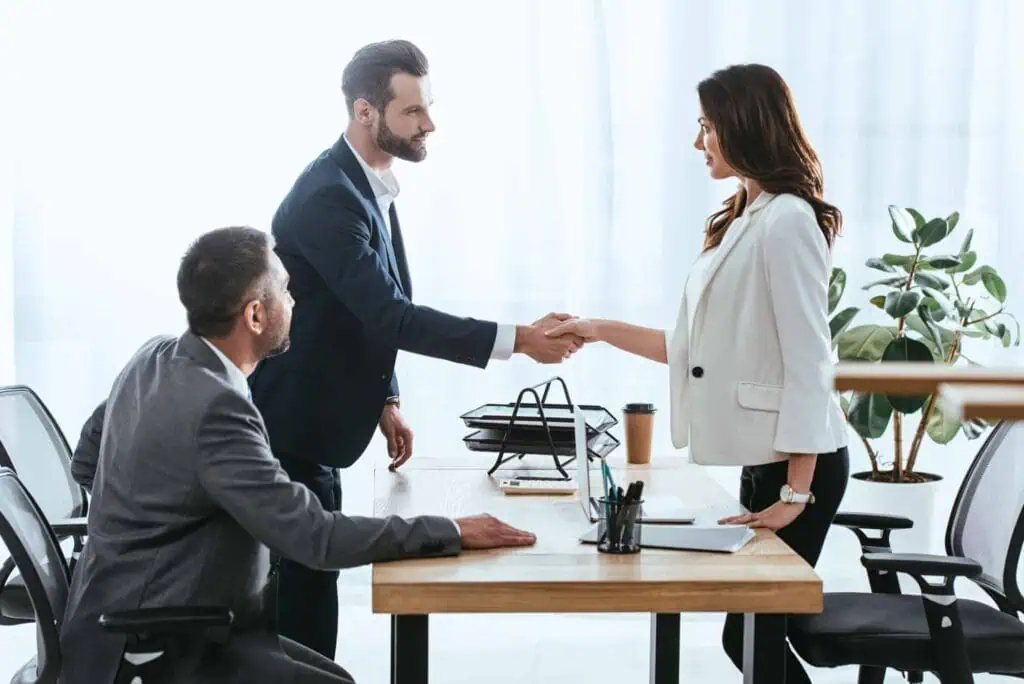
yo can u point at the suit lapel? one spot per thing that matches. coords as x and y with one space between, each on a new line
346 159
732 237
398 243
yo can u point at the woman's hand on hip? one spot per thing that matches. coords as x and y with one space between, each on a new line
775 517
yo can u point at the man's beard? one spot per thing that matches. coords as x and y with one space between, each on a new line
398 147
280 348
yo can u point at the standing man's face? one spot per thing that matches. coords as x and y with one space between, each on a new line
402 129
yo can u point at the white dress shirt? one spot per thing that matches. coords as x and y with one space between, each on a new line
235 374
385 189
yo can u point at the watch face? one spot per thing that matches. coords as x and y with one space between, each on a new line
786 494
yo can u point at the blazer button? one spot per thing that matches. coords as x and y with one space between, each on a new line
697 372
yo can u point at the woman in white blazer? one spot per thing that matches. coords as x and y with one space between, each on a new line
751 339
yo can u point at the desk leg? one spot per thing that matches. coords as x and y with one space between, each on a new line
409 652
665 648
769 633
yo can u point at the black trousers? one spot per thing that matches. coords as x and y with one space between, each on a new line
759 489
307 599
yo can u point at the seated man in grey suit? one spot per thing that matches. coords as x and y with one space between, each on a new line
187 497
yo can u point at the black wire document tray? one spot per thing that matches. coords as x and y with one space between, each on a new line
538 427
559 417
599 445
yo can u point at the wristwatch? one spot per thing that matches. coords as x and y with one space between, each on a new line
393 401
787 495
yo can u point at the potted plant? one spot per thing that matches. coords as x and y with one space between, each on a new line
929 301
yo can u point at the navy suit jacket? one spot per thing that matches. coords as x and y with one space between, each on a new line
321 400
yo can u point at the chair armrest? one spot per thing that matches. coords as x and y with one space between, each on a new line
873 521
70 527
917 564
167 620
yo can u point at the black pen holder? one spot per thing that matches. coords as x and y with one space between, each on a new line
619 527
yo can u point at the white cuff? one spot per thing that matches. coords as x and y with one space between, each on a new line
504 342
458 530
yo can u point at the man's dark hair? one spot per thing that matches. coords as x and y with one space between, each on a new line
368 75
218 272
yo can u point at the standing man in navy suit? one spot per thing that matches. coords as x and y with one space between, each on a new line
337 233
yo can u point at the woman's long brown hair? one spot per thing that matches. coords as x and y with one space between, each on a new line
751 110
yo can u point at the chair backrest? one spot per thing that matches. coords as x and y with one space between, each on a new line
33 546
987 521
33 446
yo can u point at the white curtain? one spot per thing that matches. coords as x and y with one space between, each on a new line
561 176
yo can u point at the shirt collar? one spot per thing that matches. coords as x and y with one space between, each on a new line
235 374
385 186
759 202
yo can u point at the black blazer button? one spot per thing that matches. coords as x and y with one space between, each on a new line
697 372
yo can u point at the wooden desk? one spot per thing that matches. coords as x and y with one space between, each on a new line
984 401
917 379
561 575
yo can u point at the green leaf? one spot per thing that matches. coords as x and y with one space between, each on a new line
941 300
1004 337
904 260
951 222
864 342
974 428
878 301
901 302
907 349
930 233
918 219
942 426
995 285
933 280
967 261
879 265
869 414
922 324
898 281
967 242
962 310
944 261
1016 323
842 320
844 403
836 287
903 223
975 276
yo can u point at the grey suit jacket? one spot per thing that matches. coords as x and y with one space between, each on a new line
186 500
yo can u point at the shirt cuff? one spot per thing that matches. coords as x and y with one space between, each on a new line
458 530
504 342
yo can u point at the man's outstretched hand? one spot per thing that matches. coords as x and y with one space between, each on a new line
487 532
533 341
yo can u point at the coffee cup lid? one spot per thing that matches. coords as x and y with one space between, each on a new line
639 408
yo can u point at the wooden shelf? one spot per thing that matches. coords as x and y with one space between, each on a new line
990 402
908 378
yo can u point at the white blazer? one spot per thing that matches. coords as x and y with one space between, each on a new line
747 385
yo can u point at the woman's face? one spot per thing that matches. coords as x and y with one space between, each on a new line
707 142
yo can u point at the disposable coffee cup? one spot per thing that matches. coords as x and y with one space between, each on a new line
639 420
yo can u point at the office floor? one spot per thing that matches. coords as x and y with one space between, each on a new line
541 648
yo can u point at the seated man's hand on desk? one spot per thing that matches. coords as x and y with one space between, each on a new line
487 532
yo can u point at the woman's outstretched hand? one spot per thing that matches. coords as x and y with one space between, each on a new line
584 328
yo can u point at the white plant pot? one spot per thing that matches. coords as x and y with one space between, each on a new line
914 500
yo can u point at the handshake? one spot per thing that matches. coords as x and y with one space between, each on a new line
554 338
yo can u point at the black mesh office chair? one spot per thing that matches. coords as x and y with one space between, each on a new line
33 545
935 631
33 446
